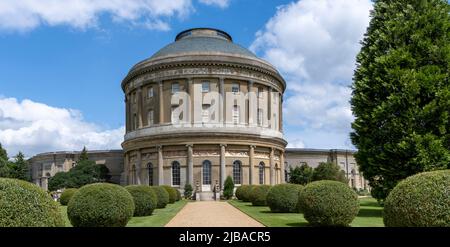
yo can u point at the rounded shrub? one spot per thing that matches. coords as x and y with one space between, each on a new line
172 193
162 196
328 203
100 205
283 198
144 199
238 192
421 200
244 192
66 195
23 204
258 195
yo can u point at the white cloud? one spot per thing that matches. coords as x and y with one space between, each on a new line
314 45
33 127
25 15
219 3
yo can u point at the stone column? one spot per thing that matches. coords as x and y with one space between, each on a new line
127 169
161 103
282 179
251 163
222 165
190 89
160 165
140 111
251 104
281 115
221 100
190 163
127 113
269 110
138 167
272 170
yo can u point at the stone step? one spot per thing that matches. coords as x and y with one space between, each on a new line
205 196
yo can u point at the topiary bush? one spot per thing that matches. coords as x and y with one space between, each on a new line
283 198
228 188
172 193
421 200
238 192
258 195
23 204
144 199
162 196
100 205
244 192
66 195
187 191
328 203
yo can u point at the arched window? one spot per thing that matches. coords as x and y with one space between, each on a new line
175 173
150 173
261 173
237 172
206 172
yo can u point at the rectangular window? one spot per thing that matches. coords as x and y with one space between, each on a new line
150 117
175 87
260 117
150 92
259 92
235 88
205 87
134 98
235 114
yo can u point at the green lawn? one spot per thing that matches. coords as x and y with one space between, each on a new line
369 215
160 217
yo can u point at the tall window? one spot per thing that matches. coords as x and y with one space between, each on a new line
235 114
205 86
150 92
237 172
150 173
206 172
261 173
150 117
135 123
260 90
175 87
134 98
235 88
260 117
175 173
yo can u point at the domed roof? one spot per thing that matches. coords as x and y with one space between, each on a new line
203 40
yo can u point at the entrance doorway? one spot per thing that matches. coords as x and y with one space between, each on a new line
206 176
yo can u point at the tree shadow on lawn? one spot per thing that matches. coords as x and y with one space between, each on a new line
366 212
369 204
297 224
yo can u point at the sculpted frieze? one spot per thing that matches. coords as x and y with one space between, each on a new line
261 155
205 153
236 154
174 153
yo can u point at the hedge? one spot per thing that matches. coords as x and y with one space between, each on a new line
23 204
258 195
162 196
172 193
283 198
144 199
328 203
66 196
244 192
100 205
421 200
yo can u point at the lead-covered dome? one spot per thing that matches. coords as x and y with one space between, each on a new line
203 40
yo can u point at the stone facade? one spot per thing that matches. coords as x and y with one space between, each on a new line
46 165
313 157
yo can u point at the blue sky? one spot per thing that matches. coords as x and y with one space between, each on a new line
61 64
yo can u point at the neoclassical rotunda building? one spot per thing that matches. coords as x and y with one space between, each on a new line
200 109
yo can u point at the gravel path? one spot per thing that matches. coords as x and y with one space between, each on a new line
211 214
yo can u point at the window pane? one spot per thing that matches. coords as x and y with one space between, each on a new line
150 173
150 92
237 172
175 173
206 172
205 86
175 87
235 114
235 88
261 173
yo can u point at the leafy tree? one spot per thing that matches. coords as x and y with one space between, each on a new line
4 162
60 180
228 188
83 155
329 171
19 168
300 174
401 93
